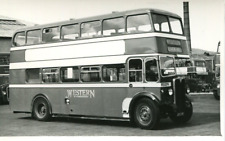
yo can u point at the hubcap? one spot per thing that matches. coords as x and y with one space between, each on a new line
145 115
42 110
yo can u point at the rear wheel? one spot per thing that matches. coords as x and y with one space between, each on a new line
215 93
146 114
41 109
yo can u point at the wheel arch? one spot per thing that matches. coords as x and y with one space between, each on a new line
139 96
44 97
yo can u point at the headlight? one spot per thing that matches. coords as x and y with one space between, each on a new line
170 92
3 92
188 90
218 85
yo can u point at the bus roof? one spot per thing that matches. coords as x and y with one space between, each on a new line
100 17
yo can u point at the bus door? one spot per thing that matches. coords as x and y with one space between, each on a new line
135 75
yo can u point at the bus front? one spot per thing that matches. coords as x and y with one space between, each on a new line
172 46
174 100
170 38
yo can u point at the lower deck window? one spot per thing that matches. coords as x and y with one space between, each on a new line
70 74
90 74
33 76
50 75
113 73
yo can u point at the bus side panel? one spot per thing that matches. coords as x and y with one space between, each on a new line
88 101
20 101
17 76
17 56
113 99
155 91
82 101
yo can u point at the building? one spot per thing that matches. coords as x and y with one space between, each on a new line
7 27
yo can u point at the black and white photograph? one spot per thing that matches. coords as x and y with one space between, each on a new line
112 69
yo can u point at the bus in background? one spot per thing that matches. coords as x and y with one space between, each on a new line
4 78
197 76
119 66
216 81
195 72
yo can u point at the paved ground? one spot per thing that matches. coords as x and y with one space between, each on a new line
205 122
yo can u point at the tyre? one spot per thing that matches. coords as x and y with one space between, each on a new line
186 116
41 109
1 100
217 97
146 114
5 100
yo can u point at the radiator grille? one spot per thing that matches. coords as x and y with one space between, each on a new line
179 87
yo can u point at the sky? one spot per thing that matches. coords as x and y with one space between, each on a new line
206 16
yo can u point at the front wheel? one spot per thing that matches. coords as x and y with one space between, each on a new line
41 109
146 114
185 116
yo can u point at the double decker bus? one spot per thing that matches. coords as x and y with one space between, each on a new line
118 66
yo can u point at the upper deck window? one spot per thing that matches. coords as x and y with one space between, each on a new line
70 32
34 37
90 29
113 26
138 23
176 26
51 34
161 23
19 39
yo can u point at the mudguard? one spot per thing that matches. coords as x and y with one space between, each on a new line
41 96
129 103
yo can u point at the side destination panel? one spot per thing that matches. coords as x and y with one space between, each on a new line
141 46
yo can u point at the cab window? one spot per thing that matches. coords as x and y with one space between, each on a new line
151 70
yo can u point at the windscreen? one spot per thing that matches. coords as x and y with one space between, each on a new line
183 62
167 67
